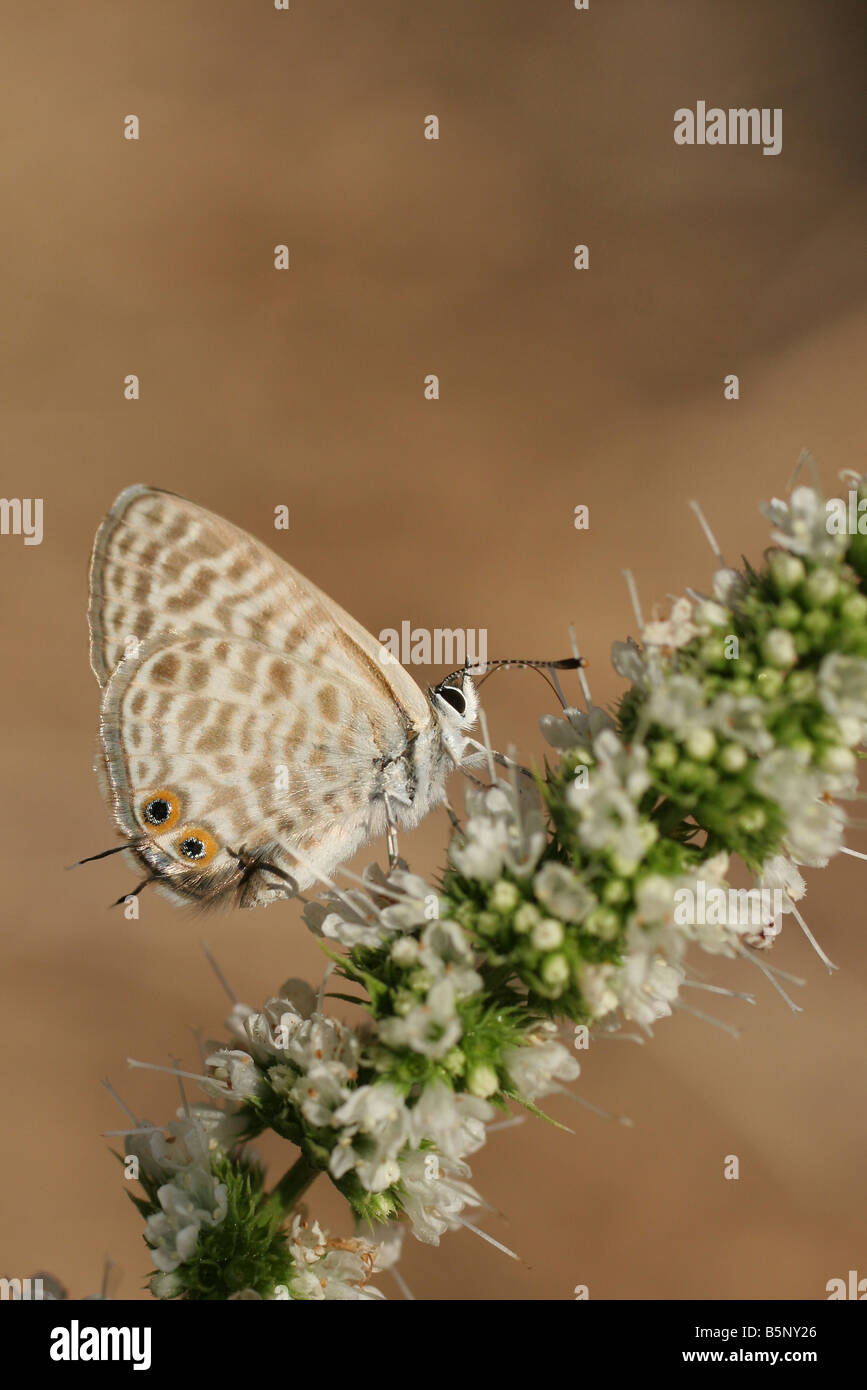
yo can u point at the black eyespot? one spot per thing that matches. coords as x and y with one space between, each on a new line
192 848
453 697
157 811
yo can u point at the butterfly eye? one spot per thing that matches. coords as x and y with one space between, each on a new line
453 697
196 845
160 810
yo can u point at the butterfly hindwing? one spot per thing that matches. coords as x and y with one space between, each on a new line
219 744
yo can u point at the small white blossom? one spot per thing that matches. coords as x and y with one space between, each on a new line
562 892
331 1269
676 631
539 1066
431 1027
801 525
374 1126
842 686
647 986
454 1123
435 1195
500 833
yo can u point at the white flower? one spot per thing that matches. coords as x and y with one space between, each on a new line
608 817
500 833
678 703
233 1074
265 1033
374 1127
842 686
431 1028
350 919
562 892
676 632
594 981
413 909
435 1193
455 1124
801 525
317 1093
446 953
331 1269
576 729
814 828
742 719
628 662
647 986
728 586
191 1200
779 872
327 1040
538 1066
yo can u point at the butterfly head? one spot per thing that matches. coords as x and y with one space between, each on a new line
456 704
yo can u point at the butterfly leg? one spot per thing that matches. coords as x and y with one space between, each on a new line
251 864
391 833
500 758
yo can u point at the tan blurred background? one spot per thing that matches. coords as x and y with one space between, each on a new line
558 387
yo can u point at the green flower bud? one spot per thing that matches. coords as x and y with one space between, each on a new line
787 614
526 917
547 934
803 745
504 896
615 891
801 685
664 755
769 683
555 971
404 951
420 981
455 1062
700 744
818 622
483 1081
787 571
734 757
752 820
854 608
838 760
778 648
603 922
821 586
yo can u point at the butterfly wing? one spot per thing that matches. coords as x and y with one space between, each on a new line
249 719
161 564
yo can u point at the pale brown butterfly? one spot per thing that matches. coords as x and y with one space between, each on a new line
253 737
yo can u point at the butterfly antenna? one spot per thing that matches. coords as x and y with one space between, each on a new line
154 878
546 670
128 844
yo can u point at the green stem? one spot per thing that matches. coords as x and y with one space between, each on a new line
294 1183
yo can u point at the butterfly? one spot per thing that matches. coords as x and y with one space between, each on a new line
253 736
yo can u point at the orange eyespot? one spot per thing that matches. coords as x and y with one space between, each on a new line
160 810
196 845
